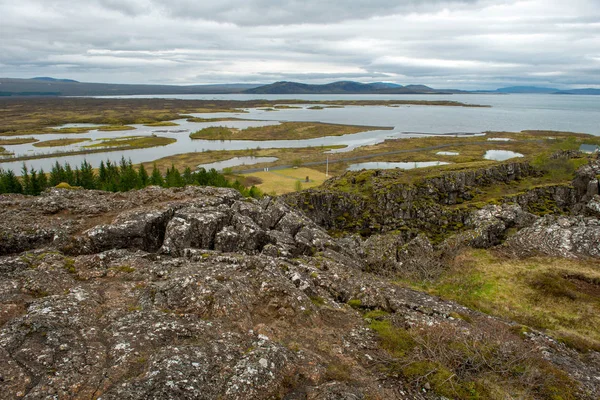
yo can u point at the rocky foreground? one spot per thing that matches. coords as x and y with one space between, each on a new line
198 293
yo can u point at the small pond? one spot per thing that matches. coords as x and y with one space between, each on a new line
236 161
501 155
447 153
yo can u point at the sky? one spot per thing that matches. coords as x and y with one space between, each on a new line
464 44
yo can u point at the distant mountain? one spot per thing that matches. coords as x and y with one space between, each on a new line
384 85
527 89
48 79
343 87
588 91
46 86
67 87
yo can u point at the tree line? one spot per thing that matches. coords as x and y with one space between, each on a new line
113 177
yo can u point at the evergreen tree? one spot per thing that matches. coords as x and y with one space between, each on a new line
35 185
188 178
143 176
11 183
57 174
87 178
128 177
69 176
156 178
27 188
173 178
42 180
102 175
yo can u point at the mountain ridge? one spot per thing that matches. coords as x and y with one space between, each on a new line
47 86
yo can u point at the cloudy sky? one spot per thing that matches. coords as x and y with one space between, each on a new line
443 43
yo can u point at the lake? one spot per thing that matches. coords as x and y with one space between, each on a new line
508 113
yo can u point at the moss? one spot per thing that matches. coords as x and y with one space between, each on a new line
355 303
395 340
317 301
123 268
65 185
69 265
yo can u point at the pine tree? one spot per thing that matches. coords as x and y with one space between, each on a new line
69 176
27 188
188 177
42 180
156 178
57 174
11 183
87 178
142 176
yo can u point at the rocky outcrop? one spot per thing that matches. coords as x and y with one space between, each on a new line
381 202
568 237
198 293
153 219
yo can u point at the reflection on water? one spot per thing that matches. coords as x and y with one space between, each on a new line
501 155
236 161
499 139
393 165
447 153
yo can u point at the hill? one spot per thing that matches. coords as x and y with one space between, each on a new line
66 87
343 87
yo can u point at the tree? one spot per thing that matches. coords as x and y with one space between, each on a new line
87 178
42 180
142 176
27 188
156 178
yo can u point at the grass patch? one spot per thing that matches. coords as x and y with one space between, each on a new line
162 123
557 295
214 133
283 131
285 180
135 142
488 362
113 128
4 152
60 142
17 140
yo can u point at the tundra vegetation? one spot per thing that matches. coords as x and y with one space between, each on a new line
283 131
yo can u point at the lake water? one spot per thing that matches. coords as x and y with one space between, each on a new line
508 113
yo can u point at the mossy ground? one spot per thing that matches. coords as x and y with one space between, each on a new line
135 142
283 131
487 361
17 140
60 142
557 295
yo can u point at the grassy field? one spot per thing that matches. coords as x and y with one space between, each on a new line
60 142
162 123
286 180
136 142
558 295
18 140
114 128
283 131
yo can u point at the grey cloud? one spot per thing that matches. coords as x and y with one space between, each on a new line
470 44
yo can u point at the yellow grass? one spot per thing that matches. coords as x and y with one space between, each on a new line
284 181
